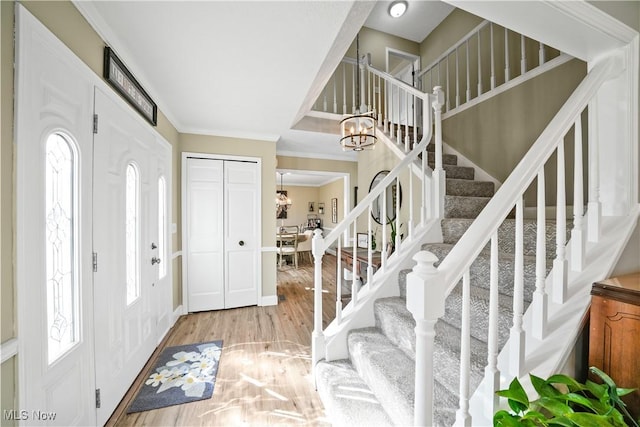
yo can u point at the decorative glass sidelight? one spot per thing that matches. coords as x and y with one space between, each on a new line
132 232
162 226
61 222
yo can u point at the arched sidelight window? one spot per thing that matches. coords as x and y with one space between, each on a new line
61 245
132 232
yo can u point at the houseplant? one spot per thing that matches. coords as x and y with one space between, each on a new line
563 401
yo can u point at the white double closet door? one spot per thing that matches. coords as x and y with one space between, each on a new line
221 233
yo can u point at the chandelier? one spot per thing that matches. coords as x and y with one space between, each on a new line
359 129
281 197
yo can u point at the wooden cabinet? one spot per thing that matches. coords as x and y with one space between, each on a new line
614 341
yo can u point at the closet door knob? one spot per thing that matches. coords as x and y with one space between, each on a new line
241 242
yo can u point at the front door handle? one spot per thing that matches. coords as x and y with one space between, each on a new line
155 261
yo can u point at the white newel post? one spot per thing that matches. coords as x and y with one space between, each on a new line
318 347
425 300
438 172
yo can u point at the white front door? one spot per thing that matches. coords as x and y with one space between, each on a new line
222 237
125 242
53 247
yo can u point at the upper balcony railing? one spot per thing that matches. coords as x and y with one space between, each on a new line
485 62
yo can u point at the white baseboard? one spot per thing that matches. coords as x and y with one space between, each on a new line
269 300
479 174
179 311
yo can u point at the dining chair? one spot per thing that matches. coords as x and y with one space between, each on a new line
288 243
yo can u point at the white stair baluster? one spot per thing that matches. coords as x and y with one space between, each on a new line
479 66
379 109
493 62
448 87
317 336
468 73
386 106
411 219
398 118
517 335
344 88
355 279
324 100
423 180
577 234
507 68
438 172
523 56
560 262
353 89
383 219
457 80
339 280
541 55
370 249
540 298
406 122
335 97
595 209
491 372
369 82
415 122
397 219
463 417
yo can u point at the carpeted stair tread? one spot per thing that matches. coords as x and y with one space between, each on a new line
454 228
446 358
402 282
347 399
479 323
456 172
464 207
445 404
469 188
397 323
480 269
387 370
447 159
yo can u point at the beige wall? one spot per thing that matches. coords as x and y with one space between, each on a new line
332 190
248 148
375 42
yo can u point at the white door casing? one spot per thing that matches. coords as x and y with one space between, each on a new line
221 229
53 96
125 316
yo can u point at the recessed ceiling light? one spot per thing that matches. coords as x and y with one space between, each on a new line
397 9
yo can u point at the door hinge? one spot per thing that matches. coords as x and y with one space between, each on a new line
98 398
95 123
95 262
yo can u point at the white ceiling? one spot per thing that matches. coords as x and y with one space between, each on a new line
306 178
246 69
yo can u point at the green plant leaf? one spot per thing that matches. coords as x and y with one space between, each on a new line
503 418
583 401
543 388
598 390
590 420
555 406
561 421
625 391
517 397
566 380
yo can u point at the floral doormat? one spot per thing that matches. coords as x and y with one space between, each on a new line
183 374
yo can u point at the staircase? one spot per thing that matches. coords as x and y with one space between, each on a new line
375 386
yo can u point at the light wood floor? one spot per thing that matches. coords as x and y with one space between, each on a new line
264 376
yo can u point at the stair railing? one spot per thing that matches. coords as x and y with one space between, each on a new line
425 201
428 286
467 80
